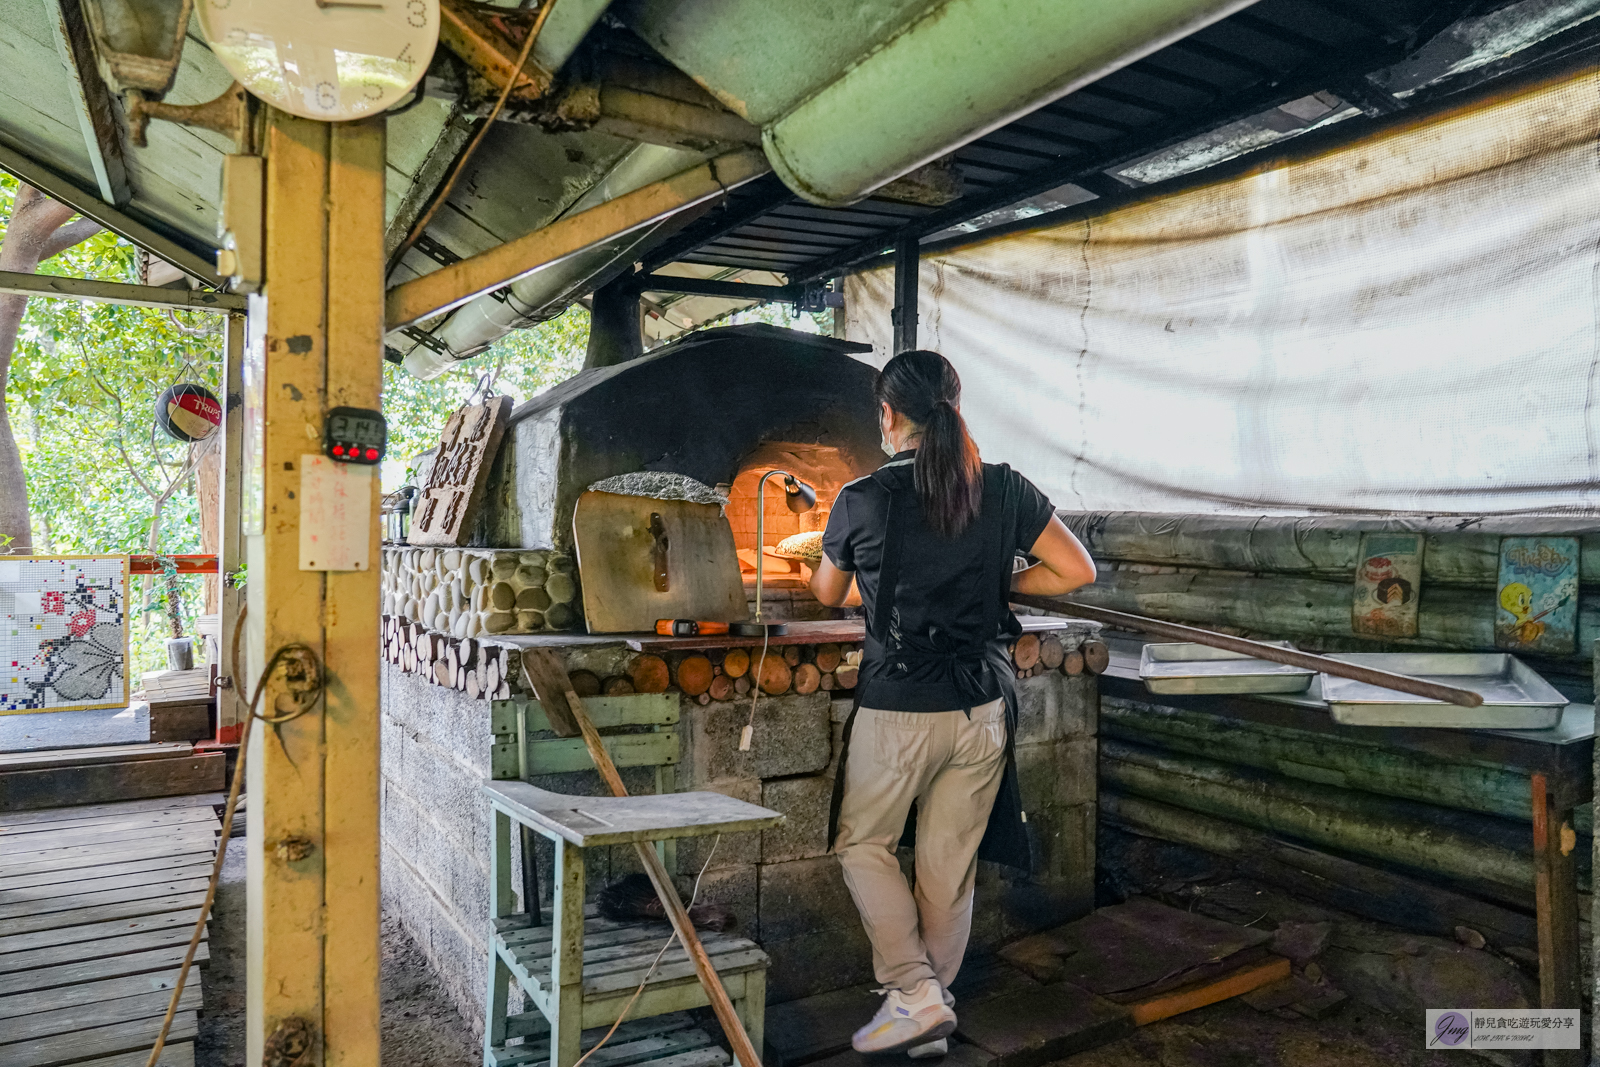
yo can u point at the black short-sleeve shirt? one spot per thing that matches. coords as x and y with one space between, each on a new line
941 586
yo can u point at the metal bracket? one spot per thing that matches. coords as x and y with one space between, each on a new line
228 114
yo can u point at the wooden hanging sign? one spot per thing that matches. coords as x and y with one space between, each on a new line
448 502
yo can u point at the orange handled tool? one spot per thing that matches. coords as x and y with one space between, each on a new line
688 627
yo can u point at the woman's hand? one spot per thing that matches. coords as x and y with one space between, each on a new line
1064 564
834 587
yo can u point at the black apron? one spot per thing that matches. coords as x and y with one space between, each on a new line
1005 839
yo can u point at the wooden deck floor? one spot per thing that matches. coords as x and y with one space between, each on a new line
97 905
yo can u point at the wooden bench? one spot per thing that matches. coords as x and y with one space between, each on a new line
576 970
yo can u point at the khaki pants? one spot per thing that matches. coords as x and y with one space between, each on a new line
951 767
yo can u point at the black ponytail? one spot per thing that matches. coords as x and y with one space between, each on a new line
924 387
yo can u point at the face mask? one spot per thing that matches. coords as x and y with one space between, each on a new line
883 441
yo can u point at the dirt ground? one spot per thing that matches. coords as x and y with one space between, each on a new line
421 1028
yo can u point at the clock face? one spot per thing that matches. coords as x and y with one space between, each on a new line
324 59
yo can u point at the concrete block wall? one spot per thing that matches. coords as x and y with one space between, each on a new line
786 891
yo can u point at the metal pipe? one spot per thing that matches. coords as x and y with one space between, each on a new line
1400 683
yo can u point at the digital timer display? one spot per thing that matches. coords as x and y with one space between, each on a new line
355 435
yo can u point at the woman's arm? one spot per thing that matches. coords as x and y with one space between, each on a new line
1064 564
834 587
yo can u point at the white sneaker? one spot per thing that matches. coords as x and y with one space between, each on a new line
906 1020
940 1047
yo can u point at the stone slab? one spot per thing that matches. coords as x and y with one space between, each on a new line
801 1031
1035 1027
960 1055
792 736
804 803
810 928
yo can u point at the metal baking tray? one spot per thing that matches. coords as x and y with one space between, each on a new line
1190 668
1515 697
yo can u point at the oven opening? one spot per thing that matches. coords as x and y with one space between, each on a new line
786 592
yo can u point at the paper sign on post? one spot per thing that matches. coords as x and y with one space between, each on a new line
335 515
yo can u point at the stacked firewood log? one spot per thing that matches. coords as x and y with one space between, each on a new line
731 673
481 670
470 593
1033 654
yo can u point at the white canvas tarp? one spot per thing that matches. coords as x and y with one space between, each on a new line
1407 323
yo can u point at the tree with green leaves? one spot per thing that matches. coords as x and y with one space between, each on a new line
37 229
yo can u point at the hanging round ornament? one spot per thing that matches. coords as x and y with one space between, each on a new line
188 412
333 60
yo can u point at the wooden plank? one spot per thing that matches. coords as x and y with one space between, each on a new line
618 820
83 757
19 945
351 952
1188 998
631 576
1556 917
96 1041
77 1017
179 1055
127 864
87 812
92 992
148 880
565 755
635 709
15 862
89 971
186 721
76 901
114 939
110 836
62 922
24 790
150 821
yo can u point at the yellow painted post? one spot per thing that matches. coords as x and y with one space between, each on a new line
313 781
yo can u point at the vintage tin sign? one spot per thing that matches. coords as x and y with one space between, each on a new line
1536 601
1388 583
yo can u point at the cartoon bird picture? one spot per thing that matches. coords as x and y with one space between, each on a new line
1517 600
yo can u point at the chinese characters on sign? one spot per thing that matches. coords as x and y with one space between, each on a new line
1507 1028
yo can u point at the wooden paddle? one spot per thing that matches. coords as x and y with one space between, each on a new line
547 676
1400 683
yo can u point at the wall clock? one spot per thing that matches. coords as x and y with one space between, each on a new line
332 60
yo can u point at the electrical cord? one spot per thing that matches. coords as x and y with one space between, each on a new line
747 735
303 676
449 183
637 993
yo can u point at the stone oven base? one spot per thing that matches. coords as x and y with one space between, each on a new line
787 892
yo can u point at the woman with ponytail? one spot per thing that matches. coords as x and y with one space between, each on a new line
929 543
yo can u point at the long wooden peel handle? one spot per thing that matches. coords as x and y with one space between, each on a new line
1400 683
551 685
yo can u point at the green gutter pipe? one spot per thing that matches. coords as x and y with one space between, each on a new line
913 84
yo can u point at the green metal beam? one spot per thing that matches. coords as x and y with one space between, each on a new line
149 296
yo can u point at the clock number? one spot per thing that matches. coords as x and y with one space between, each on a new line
417 13
405 57
372 90
327 96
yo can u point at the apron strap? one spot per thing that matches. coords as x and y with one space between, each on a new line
901 503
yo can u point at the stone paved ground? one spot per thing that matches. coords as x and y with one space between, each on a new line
421 1028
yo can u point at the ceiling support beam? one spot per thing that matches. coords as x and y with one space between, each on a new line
907 262
57 187
663 283
714 225
101 135
147 296
458 283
